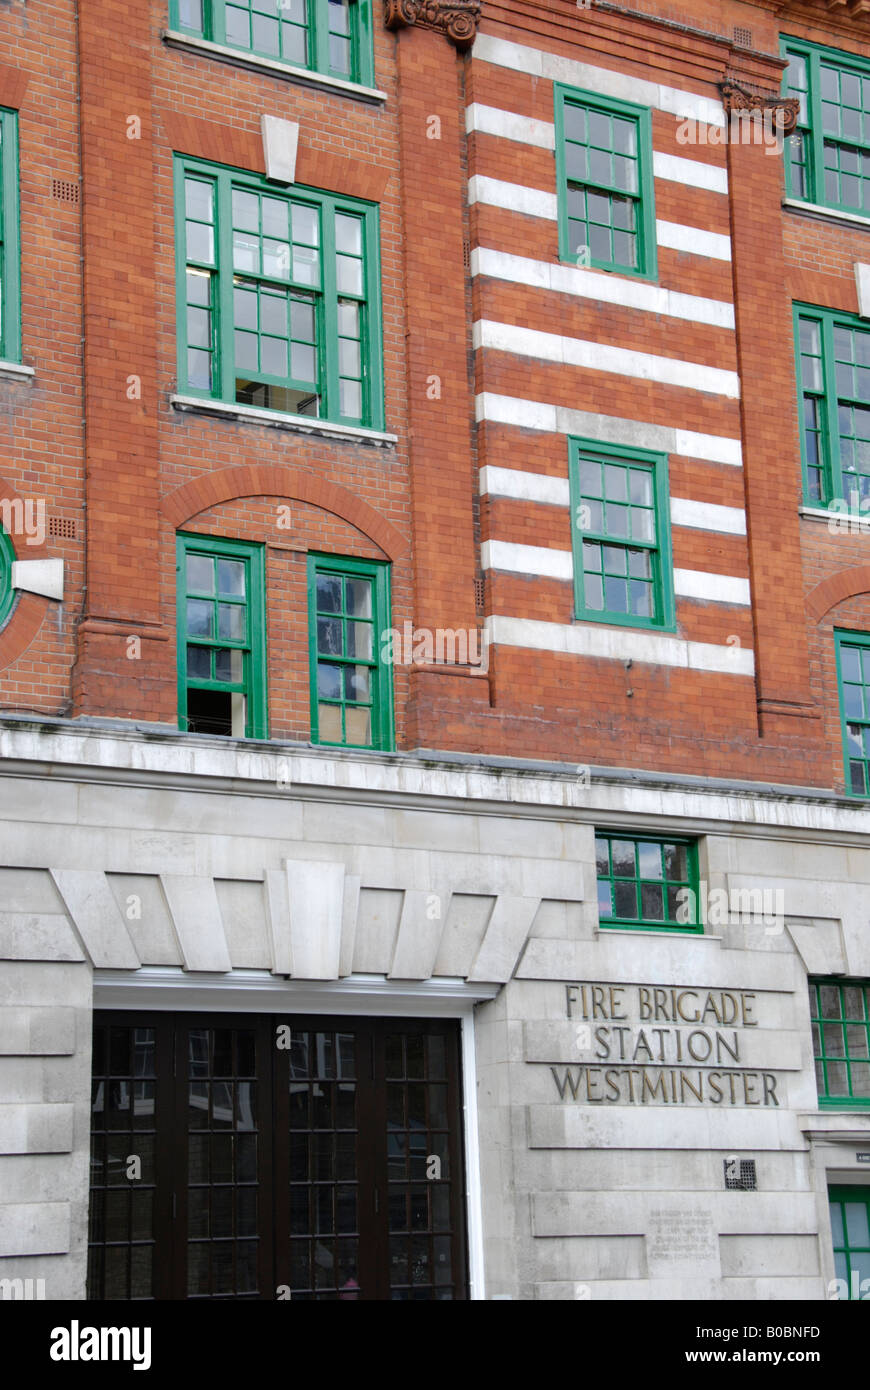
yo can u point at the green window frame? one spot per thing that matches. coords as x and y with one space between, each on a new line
221 636
10 268
351 682
7 593
827 158
850 1230
604 173
840 1020
278 296
853 682
621 535
327 36
646 881
832 356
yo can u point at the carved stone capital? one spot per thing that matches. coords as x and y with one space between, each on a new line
458 19
781 111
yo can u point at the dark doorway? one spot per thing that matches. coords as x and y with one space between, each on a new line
272 1157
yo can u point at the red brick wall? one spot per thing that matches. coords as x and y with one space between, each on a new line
416 501
40 416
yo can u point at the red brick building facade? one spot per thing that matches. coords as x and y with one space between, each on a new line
573 469
95 435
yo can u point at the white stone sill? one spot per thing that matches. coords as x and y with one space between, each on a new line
271 67
15 369
303 424
847 219
602 933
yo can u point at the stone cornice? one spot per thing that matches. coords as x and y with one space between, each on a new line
64 750
458 19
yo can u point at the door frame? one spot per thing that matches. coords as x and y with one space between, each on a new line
171 989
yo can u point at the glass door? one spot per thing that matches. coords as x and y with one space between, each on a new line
265 1157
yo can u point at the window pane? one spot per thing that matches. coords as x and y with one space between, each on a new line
329 723
200 618
199 200
348 275
246 252
593 592
623 857
359 640
359 726
231 576
857 1230
357 683
246 210
350 399
676 862
228 665
200 242
200 574
329 593
348 234
329 636
652 902
231 621
358 597
303 362
625 900
274 357
306 265
245 309
328 681
198 663
649 860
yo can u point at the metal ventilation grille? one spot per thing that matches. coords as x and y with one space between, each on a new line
466 254
61 526
64 191
478 594
740 1175
743 37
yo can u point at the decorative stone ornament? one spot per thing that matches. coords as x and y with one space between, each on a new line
782 111
458 19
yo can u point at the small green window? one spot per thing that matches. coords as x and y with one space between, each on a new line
840 1014
7 593
351 683
850 1229
328 36
278 296
853 668
621 533
605 183
647 883
10 285
827 158
833 368
221 637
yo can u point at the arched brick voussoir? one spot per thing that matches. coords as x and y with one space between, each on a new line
21 627
837 587
269 480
